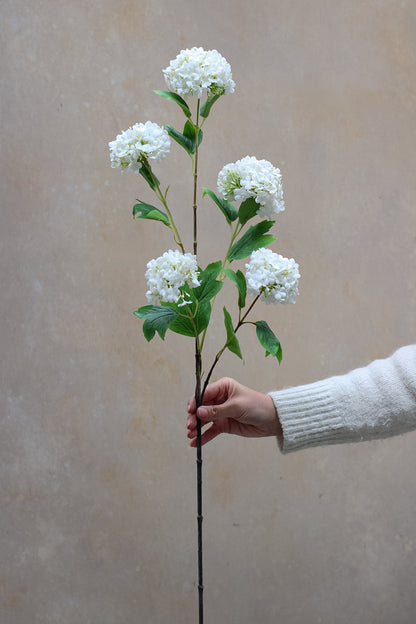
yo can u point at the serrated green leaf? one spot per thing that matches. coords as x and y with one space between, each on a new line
175 98
183 326
157 319
180 138
146 211
149 176
240 281
268 340
229 211
206 106
232 342
201 312
248 209
253 239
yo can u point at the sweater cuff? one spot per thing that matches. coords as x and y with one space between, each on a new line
308 415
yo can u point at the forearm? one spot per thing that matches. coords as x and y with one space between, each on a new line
372 402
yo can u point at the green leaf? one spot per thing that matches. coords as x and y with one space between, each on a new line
149 176
268 340
203 315
184 141
146 211
228 209
253 239
190 131
175 98
183 326
200 298
232 342
209 286
240 281
248 209
157 319
206 106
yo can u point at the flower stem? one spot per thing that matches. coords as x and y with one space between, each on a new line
174 229
199 397
196 181
198 394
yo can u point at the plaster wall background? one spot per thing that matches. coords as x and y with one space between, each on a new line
97 521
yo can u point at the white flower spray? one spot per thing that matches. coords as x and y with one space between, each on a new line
274 277
196 71
167 274
250 177
140 142
180 295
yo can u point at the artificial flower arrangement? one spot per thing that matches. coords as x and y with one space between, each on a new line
181 294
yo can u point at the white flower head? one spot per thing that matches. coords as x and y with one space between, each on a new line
250 177
274 277
196 71
141 141
167 274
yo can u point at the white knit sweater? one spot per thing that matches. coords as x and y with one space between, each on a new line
377 401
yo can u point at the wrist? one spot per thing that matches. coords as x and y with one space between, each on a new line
273 418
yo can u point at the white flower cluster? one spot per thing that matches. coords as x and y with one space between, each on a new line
250 177
273 276
196 71
137 143
167 274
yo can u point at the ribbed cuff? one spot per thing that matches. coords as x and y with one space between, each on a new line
309 416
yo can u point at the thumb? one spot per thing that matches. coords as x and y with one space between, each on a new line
211 413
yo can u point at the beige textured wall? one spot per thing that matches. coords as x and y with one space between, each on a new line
97 481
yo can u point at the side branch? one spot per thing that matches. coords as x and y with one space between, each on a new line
221 351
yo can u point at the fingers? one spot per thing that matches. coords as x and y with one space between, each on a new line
215 409
191 405
215 394
207 436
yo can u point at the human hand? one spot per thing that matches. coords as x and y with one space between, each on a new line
233 408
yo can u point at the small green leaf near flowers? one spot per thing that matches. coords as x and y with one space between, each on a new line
240 281
187 139
190 131
199 306
268 340
209 286
253 239
226 208
146 211
248 209
157 319
149 176
232 342
169 95
184 141
206 106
